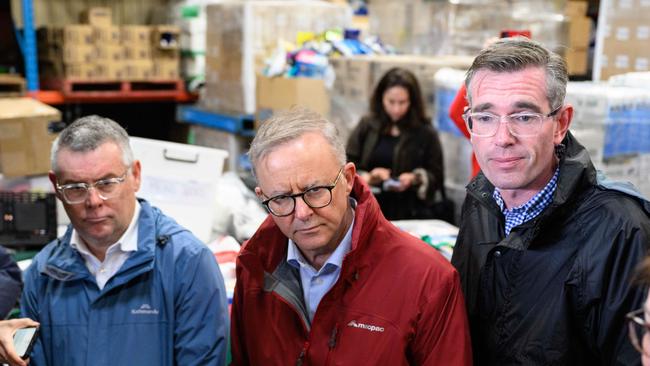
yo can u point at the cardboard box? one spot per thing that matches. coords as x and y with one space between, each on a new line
138 69
576 8
80 71
97 16
137 52
136 34
109 53
110 70
165 68
78 34
166 37
283 93
579 32
110 35
577 61
25 141
73 53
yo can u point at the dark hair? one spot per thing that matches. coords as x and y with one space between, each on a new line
642 273
396 76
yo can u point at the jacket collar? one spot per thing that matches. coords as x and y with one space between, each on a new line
65 264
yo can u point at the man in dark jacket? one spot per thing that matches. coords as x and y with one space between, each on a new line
10 283
326 279
546 250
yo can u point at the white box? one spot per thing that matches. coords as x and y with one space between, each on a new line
181 180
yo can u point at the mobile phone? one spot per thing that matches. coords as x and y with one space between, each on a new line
24 340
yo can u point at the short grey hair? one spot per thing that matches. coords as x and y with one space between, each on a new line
516 54
87 134
287 126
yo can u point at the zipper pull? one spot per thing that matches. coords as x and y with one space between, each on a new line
332 342
302 354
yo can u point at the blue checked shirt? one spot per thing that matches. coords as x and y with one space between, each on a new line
529 210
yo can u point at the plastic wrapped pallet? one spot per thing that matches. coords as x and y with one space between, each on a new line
240 35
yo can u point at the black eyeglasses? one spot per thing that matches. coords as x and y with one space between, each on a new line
638 329
315 197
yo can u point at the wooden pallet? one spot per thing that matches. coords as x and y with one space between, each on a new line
112 90
11 85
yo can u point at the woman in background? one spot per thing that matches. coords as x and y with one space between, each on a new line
639 320
397 151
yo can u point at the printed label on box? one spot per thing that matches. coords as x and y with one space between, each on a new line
643 32
641 64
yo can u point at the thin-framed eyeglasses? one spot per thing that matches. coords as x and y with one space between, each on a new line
75 193
638 329
521 124
315 197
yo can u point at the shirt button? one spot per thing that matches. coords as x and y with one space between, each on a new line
102 270
497 253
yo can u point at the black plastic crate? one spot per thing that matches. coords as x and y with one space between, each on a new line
28 219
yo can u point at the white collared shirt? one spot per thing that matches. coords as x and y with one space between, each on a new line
116 254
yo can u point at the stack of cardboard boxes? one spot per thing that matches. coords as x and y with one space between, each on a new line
577 52
623 38
100 50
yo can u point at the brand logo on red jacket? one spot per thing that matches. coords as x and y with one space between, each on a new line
372 328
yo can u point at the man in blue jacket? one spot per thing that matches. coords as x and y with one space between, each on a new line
125 285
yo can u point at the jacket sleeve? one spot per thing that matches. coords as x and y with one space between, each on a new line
442 334
430 171
606 292
201 319
10 283
30 308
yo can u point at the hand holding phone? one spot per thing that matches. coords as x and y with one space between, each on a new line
17 337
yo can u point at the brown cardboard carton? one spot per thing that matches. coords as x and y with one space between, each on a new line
166 69
110 70
107 35
139 69
109 53
579 32
577 60
283 93
78 34
137 52
576 8
25 141
74 53
97 16
136 34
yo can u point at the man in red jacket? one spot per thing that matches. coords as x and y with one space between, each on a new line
327 279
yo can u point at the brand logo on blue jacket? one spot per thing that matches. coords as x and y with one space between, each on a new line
145 309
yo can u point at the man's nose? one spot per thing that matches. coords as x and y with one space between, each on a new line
93 198
503 136
302 210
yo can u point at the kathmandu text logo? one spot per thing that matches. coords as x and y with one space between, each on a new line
372 328
145 309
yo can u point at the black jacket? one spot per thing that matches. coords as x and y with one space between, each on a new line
418 150
556 290
10 283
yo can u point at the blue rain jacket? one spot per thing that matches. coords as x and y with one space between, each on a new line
165 306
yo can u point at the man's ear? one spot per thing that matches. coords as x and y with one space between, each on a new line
136 172
565 115
52 178
349 171
258 193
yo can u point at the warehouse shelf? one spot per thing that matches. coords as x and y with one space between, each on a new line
239 124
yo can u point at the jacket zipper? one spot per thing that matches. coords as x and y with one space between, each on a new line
301 357
332 343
